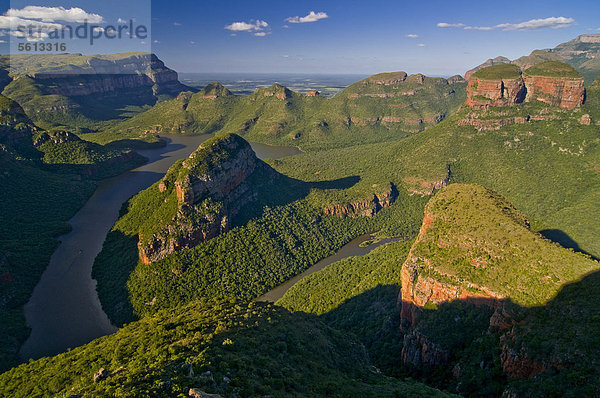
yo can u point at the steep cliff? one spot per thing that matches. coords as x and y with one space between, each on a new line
551 82
554 83
201 195
75 90
499 85
476 253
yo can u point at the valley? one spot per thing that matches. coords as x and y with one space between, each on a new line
407 236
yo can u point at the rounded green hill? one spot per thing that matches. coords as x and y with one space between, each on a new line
553 69
496 72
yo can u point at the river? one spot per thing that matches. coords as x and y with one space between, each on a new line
353 248
64 311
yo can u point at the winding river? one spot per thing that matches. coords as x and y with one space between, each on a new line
64 311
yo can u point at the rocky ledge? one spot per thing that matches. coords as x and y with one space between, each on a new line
209 187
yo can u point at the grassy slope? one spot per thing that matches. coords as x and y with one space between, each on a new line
469 222
477 237
546 168
553 69
506 71
359 295
259 349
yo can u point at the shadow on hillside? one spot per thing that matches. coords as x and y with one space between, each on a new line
279 190
563 239
484 347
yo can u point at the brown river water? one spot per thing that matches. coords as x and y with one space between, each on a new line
64 311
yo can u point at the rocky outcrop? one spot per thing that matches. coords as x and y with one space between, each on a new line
551 82
364 208
198 393
558 91
210 187
419 351
484 93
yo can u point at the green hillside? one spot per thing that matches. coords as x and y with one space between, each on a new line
221 348
372 110
552 69
496 72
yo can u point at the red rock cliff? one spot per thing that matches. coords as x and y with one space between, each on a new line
559 91
501 92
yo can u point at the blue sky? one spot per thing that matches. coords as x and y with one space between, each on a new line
341 36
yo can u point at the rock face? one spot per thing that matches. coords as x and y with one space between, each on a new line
483 93
567 93
365 208
551 82
102 76
210 187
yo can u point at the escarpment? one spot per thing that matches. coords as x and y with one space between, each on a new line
202 194
476 253
366 207
551 82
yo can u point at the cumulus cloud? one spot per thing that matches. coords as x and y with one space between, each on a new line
176 24
412 36
121 20
51 14
12 22
257 28
251 26
532 24
311 17
421 45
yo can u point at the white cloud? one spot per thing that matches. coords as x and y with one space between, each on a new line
98 29
156 42
421 45
257 28
15 22
33 36
247 26
121 20
412 36
2 41
311 17
51 14
176 24
287 26
450 25
551 22
192 42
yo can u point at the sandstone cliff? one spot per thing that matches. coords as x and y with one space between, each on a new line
555 83
551 82
475 249
205 191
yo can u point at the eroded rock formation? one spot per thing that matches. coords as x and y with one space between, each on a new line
558 91
210 187
482 93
